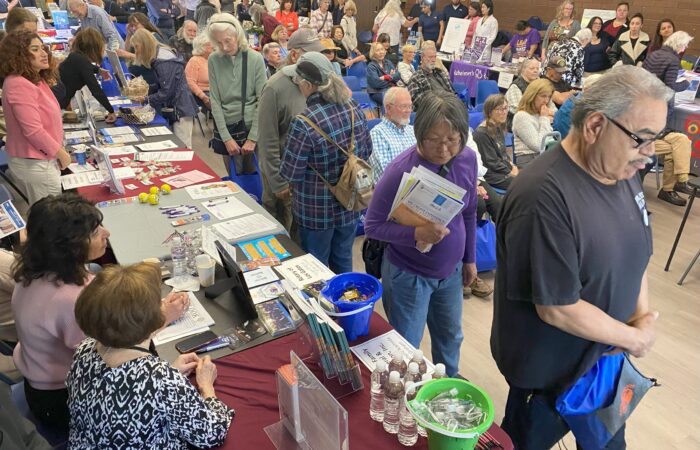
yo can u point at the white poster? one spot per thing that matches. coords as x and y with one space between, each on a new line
588 14
454 36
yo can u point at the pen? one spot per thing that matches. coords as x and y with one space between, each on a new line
218 202
223 342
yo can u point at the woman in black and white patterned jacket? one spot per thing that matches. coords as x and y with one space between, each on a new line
120 396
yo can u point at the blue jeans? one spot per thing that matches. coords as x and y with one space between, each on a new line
333 247
410 301
533 422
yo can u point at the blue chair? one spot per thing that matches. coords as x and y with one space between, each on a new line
484 88
509 139
475 118
353 83
359 70
363 98
365 37
477 108
499 191
537 23
373 123
4 165
413 118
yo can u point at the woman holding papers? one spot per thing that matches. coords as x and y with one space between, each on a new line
427 263
34 140
122 396
64 233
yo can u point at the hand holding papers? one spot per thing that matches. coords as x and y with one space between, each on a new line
423 198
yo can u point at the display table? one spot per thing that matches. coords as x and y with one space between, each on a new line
246 382
470 74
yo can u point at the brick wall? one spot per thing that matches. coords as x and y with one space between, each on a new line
684 13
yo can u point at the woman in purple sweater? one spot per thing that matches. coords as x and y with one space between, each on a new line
422 288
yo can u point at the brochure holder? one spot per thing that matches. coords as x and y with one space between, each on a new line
310 417
339 385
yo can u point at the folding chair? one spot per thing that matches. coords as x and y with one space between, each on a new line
373 123
475 118
353 83
484 88
359 70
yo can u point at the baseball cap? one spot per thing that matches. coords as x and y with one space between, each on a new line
312 67
557 63
305 39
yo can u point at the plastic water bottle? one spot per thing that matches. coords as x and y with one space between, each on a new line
439 371
420 360
460 55
393 397
398 364
378 380
413 374
178 254
408 430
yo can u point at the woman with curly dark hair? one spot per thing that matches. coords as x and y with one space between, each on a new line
34 140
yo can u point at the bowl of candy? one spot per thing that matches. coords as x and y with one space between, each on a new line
353 295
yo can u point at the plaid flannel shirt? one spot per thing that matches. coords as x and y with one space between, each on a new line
313 205
426 80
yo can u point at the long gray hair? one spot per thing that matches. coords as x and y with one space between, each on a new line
334 90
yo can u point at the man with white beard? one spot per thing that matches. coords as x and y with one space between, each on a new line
182 41
428 77
393 134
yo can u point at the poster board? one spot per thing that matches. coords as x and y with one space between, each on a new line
105 165
117 69
588 14
454 36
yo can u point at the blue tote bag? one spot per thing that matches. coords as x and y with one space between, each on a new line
599 403
485 245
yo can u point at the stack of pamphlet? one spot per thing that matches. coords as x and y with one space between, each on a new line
424 196
330 340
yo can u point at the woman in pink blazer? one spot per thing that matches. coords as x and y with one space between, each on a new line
34 141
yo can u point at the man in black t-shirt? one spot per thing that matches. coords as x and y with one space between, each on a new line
574 242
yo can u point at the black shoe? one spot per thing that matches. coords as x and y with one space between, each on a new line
672 198
684 188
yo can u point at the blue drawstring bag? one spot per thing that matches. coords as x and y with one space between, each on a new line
251 183
485 245
599 403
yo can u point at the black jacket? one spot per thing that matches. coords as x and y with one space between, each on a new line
493 155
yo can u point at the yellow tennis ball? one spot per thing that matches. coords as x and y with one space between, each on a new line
153 199
153 190
143 197
165 189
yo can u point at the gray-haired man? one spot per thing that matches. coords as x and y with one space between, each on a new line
279 103
574 241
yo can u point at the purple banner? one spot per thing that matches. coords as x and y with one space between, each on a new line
468 74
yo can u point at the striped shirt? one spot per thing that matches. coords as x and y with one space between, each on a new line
388 141
313 205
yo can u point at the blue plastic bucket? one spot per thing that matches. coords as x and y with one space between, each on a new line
353 317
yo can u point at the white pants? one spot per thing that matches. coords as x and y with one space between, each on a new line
37 178
183 130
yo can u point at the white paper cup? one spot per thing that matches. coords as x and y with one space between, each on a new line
205 269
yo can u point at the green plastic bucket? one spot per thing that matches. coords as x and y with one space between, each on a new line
439 437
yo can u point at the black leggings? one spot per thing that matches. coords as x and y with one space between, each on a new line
49 407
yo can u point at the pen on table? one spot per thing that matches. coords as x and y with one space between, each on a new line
217 202
214 346
173 207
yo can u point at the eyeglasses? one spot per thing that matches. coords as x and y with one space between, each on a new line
436 143
502 108
641 142
408 107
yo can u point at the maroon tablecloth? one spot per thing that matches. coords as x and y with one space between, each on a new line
246 382
102 193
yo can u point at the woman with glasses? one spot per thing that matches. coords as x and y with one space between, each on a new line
34 140
490 139
529 72
532 121
564 25
426 264
595 54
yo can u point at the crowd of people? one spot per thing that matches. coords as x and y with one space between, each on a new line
280 106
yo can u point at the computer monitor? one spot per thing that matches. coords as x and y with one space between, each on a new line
235 283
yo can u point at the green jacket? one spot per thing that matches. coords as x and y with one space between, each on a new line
225 74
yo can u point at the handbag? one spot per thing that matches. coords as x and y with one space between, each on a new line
599 403
485 245
373 249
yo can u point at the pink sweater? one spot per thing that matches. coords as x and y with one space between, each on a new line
33 119
197 74
47 331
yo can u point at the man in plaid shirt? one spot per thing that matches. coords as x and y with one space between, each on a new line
428 77
326 228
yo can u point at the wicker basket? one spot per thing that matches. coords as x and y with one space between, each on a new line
137 115
136 88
